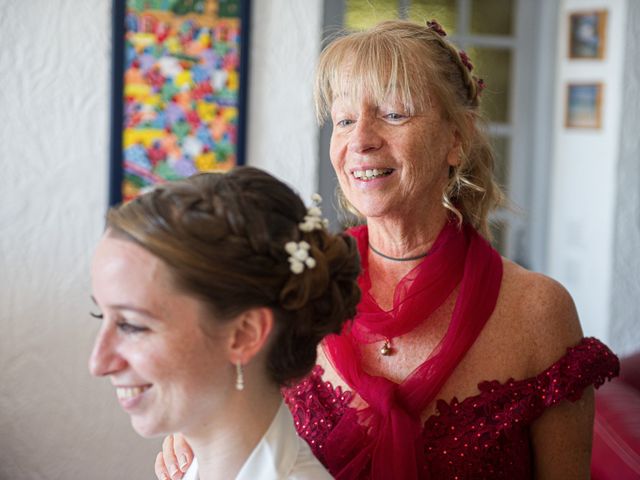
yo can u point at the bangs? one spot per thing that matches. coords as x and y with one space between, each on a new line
375 67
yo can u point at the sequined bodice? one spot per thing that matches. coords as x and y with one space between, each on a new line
484 436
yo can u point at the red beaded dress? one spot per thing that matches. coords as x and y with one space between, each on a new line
484 436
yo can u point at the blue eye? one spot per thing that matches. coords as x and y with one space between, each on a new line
395 116
344 123
125 327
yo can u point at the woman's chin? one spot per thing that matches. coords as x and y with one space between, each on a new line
147 429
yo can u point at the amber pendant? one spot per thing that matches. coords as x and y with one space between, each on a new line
386 349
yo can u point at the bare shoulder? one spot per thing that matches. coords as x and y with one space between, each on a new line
546 312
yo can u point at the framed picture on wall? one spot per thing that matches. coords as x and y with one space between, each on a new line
584 105
587 34
179 90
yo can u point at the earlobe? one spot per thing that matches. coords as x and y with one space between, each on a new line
250 333
454 156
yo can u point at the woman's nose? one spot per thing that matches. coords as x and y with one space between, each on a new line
365 136
105 358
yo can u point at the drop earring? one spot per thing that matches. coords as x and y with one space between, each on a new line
239 377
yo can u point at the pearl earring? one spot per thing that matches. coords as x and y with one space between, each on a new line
239 377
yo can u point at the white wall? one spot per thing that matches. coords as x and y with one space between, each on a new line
583 175
625 295
56 422
283 133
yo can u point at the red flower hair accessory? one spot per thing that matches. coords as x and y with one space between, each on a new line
466 61
436 27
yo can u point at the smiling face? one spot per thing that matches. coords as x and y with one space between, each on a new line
389 161
168 374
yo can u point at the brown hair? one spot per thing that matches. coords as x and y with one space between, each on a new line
409 62
223 238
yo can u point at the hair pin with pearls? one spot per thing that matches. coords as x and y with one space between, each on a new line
313 219
299 256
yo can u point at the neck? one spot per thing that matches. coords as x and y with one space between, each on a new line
226 438
402 238
399 239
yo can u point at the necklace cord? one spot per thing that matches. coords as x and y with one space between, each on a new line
398 259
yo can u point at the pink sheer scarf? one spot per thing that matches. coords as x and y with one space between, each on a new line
389 444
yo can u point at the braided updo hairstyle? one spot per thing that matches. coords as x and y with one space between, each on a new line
416 65
223 237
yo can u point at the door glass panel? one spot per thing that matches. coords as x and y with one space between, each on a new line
492 17
493 65
499 233
361 14
503 163
443 11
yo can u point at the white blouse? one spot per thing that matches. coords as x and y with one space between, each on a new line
280 454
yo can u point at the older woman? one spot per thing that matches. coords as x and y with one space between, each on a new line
214 292
459 363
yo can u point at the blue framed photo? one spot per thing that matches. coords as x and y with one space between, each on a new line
587 34
584 105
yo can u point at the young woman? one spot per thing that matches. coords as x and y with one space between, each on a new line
213 293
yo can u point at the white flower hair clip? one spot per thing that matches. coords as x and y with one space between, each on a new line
313 219
299 256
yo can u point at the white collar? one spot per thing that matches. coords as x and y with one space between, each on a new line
275 455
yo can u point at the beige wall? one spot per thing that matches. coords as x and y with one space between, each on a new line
56 422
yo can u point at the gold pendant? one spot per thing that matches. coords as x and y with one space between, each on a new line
386 349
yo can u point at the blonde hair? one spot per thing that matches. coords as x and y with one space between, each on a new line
409 62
